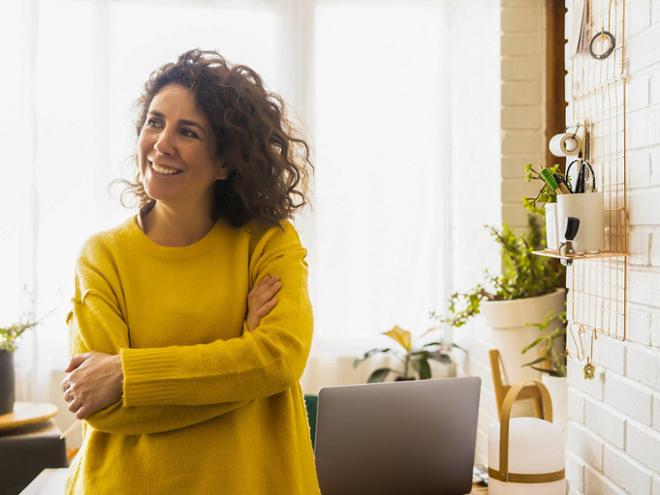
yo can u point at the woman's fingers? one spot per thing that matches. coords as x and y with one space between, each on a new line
266 308
264 285
77 361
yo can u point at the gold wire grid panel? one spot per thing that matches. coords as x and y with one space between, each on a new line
597 99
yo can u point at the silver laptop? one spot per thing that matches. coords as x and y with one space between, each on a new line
401 438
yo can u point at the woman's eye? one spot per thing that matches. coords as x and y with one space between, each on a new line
189 133
153 123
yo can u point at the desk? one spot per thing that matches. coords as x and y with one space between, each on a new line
51 482
26 451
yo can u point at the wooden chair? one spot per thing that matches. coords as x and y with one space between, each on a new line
501 388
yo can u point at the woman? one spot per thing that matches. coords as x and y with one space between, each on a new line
191 321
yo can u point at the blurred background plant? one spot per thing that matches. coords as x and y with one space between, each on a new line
414 359
551 344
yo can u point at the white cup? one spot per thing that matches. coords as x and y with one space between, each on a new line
551 231
588 208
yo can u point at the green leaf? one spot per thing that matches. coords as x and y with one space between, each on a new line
422 367
442 357
368 354
549 371
535 361
379 375
534 343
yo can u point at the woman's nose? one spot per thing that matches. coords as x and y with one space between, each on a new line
165 143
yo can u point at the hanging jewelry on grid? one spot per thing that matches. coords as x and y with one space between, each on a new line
603 37
590 368
577 341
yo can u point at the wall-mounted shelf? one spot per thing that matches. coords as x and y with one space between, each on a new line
596 95
553 253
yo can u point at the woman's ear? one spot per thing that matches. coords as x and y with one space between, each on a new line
222 170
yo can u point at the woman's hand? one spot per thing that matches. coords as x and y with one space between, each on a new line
94 380
261 300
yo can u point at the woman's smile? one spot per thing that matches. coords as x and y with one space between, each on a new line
165 170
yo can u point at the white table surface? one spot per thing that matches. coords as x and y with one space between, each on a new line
49 482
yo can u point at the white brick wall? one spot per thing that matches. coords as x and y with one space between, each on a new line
614 431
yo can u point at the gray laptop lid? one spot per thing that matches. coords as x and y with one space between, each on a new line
401 438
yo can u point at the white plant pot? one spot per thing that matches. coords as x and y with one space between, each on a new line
510 322
558 388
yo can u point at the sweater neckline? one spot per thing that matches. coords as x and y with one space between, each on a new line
198 248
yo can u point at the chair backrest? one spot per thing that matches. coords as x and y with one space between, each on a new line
311 405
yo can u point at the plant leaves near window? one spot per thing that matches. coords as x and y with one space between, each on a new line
379 375
401 336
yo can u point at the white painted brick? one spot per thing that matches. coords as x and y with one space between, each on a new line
523 93
597 484
521 20
655 167
525 45
605 422
610 353
655 329
643 444
638 92
639 169
575 403
639 247
522 142
585 445
656 411
639 48
643 365
626 472
526 118
639 325
515 69
644 207
629 397
643 130
655 88
639 16
654 249
593 388
575 472
644 286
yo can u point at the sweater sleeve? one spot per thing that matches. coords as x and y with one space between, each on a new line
96 324
268 360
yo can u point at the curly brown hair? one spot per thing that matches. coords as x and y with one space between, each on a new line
269 163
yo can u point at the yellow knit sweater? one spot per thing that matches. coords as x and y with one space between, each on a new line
208 407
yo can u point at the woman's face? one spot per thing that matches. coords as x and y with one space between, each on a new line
177 150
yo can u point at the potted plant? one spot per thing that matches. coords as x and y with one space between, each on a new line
551 362
527 290
8 338
415 360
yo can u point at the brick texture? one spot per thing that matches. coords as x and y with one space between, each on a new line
614 436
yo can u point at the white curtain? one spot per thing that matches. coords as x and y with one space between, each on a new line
365 79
